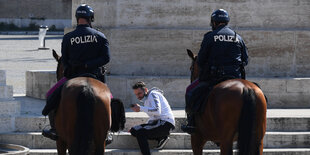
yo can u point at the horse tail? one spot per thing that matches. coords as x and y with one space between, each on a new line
247 141
84 122
118 115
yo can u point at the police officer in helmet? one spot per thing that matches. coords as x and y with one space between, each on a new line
85 51
222 55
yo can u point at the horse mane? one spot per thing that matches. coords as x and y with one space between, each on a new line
85 124
118 115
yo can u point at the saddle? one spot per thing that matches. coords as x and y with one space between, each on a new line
54 94
201 93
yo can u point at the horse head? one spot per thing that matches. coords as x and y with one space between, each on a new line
60 67
194 66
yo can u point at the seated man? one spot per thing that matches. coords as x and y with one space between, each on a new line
161 120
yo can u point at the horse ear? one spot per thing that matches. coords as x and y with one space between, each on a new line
55 55
190 54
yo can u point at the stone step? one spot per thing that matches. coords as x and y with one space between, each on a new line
281 92
124 140
277 120
197 13
9 109
6 92
2 77
267 151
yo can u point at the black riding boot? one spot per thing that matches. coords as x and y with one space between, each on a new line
52 101
51 133
190 127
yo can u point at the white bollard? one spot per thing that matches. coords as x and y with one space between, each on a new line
42 33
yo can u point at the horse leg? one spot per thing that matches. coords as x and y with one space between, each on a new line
99 146
197 143
99 150
61 147
226 148
260 147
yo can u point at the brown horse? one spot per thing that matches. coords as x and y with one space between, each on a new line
85 115
235 110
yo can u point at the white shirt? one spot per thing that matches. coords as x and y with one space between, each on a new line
157 107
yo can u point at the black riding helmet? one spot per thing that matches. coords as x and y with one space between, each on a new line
85 11
220 16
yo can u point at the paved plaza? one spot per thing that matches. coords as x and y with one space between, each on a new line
19 53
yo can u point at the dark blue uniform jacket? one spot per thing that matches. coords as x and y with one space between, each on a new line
85 45
223 48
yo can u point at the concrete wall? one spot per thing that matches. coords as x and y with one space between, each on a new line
163 51
196 13
281 92
23 12
2 77
58 23
48 9
150 37
38 82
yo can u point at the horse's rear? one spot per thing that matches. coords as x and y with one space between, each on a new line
236 110
83 117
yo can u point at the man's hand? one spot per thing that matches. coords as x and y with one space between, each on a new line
135 107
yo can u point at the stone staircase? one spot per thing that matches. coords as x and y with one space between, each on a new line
148 41
288 126
288 116
288 132
9 108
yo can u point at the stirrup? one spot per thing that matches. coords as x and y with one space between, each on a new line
51 134
188 129
109 139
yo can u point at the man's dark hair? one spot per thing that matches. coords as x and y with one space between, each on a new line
139 84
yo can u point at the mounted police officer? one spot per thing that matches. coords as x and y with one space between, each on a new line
222 56
84 51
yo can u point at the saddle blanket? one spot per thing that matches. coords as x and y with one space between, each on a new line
58 84
193 85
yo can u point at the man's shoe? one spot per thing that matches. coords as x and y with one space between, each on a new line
162 143
51 134
188 129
